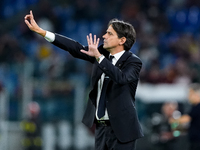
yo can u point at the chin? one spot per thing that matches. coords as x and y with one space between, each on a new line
104 46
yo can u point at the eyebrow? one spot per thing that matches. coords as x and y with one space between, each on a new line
109 32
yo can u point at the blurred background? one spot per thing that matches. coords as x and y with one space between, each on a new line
43 90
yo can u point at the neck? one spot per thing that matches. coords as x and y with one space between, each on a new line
115 51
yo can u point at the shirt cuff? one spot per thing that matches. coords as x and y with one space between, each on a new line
101 58
49 36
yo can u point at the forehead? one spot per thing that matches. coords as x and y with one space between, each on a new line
110 29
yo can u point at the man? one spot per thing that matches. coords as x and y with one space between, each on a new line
111 104
162 128
193 117
32 135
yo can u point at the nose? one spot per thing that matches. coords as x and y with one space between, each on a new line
104 36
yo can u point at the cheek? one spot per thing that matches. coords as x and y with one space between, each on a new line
190 97
113 42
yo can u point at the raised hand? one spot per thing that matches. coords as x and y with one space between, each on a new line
32 25
92 46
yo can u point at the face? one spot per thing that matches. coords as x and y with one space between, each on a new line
193 97
168 109
111 40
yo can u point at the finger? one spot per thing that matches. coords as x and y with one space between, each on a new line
27 17
27 23
95 39
31 13
91 41
88 40
97 42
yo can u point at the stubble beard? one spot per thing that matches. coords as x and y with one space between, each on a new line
106 48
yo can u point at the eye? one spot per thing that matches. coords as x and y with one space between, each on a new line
109 33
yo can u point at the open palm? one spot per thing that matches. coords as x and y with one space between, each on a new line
92 46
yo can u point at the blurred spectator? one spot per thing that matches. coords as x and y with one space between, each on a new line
32 128
10 50
165 31
163 136
193 117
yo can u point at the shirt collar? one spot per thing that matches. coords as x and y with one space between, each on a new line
118 55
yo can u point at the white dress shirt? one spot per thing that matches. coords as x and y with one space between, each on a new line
100 85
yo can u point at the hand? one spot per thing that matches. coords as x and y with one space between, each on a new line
32 25
92 47
172 120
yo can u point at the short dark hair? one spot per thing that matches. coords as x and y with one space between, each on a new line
195 87
124 29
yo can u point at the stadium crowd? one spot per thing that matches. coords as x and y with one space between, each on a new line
167 35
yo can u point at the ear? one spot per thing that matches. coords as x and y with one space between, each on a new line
122 41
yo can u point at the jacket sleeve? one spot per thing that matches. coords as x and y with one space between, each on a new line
73 47
125 72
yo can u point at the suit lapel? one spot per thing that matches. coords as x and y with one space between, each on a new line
98 72
122 59
119 64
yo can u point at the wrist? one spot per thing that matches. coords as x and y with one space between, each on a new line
99 57
41 32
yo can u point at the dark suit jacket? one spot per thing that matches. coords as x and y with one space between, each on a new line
121 89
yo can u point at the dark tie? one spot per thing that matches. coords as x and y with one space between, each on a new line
102 100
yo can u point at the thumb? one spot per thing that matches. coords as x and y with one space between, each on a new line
83 51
